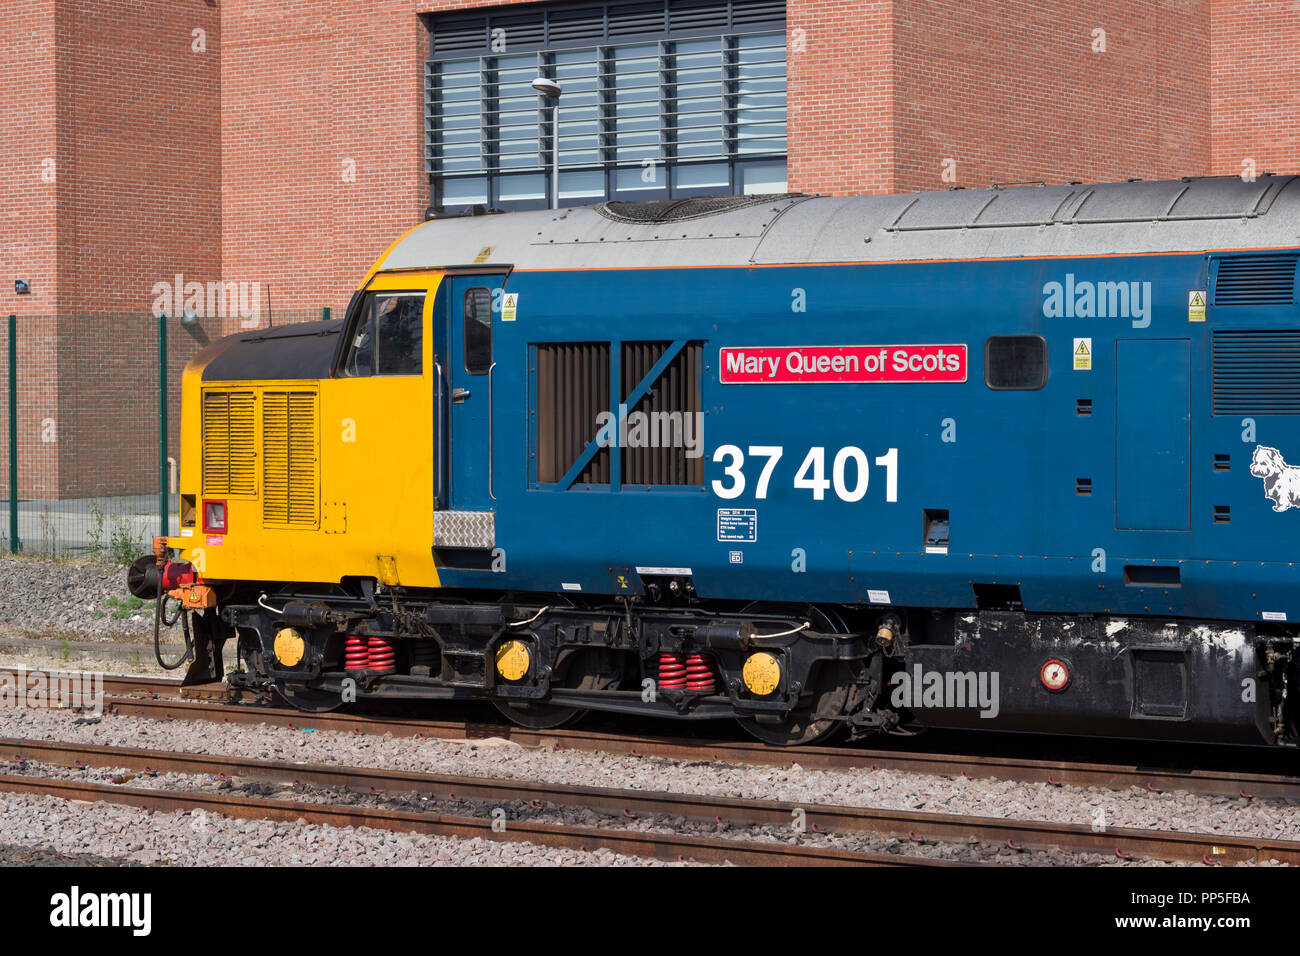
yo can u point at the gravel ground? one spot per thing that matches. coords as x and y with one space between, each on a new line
29 856
103 830
972 851
138 661
78 599
888 789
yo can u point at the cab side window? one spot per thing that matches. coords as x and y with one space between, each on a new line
387 337
478 330
1015 362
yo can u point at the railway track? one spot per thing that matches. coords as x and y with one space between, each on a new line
161 702
916 827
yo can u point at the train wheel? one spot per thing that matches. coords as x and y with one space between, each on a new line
308 699
591 669
800 726
536 716
829 695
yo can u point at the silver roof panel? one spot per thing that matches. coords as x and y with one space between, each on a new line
1023 221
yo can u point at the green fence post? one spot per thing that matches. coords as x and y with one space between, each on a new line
163 475
13 434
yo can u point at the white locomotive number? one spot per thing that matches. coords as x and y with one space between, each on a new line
850 473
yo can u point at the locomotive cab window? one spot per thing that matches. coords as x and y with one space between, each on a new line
386 336
1015 362
478 330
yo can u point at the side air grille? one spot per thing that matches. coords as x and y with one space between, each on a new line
1256 280
1257 373
289 465
572 390
664 427
227 441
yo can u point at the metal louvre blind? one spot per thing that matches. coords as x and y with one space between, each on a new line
671 408
1257 373
660 99
228 448
572 389
289 452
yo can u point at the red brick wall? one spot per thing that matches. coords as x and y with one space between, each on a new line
323 144
139 136
29 249
1010 90
28 156
840 103
1255 86
110 183
139 126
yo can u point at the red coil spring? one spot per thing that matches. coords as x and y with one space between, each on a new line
382 655
699 673
356 653
672 670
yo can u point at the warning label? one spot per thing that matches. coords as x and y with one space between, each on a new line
509 306
1083 355
1196 305
737 524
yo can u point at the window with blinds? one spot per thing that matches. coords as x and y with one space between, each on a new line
661 99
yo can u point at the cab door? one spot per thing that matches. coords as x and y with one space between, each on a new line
467 397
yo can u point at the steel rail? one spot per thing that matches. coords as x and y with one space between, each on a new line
917 826
669 846
1246 785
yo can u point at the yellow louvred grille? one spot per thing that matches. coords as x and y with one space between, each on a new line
228 440
289 458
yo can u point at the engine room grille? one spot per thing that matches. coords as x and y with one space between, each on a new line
572 389
227 439
1257 373
671 416
1256 280
289 453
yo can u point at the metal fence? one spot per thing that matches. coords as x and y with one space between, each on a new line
91 429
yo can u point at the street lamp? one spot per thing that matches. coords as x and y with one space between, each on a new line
552 90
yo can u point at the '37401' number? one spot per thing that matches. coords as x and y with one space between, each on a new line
850 472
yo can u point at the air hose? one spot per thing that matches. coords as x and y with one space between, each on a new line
160 617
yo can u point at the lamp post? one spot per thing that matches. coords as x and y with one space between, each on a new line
552 90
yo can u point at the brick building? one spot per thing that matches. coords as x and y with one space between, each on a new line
155 147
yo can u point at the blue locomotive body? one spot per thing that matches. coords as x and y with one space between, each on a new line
1071 492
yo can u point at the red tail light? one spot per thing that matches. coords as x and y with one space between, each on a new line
214 517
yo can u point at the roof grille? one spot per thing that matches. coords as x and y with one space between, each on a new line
676 210
1256 280
1257 373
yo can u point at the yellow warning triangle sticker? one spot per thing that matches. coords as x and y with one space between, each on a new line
1197 299
1082 349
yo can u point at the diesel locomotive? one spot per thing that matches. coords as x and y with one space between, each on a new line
1011 458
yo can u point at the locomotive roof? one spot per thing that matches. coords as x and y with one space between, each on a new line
1182 215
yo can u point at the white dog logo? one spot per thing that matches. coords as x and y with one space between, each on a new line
1281 481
